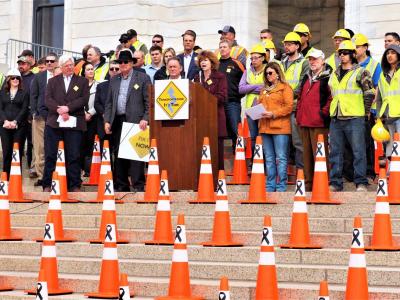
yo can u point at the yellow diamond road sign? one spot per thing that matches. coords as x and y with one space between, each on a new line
140 142
171 99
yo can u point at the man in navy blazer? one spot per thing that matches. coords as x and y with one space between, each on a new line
188 57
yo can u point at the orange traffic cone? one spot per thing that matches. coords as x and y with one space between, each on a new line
257 193
299 231
163 228
323 290
96 163
108 214
205 191
153 176
179 282
5 288
240 175
55 212
15 193
378 153
62 174
124 293
394 175
109 273
382 238
104 169
41 291
247 138
5 223
267 283
49 262
357 282
320 189
222 236
224 293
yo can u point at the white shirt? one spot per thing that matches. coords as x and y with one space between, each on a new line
67 81
187 58
49 75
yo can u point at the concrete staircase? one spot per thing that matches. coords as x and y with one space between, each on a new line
148 267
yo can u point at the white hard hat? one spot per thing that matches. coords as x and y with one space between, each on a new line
13 72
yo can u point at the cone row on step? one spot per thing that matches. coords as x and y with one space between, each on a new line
15 194
240 175
96 163
394 167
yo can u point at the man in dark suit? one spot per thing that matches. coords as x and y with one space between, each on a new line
66 97
188 57
39 114
127 101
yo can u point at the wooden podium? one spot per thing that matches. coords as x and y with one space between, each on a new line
179 142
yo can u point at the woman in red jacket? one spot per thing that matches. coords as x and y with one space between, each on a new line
215 82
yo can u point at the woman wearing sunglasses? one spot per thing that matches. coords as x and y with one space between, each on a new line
274 126
14 103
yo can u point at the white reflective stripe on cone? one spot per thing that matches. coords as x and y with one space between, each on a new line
163 205
320 166
153 169
55 204
104 169
382 208
240 155
357 261
394 166
60 170
110 253
4 205
300 207
258 168
96 159
205 169
109 205
15 170
180 255
267 258
221 205
48 251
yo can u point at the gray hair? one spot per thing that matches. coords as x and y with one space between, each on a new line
96 49
65 58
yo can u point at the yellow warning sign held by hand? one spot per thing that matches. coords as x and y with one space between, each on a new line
140 143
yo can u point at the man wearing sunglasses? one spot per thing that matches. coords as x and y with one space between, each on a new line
127 101
39 113
353 92
341 35
157 40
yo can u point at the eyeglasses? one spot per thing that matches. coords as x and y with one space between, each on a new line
50 61
301 34
255 57
14 78
156 41
114 69
124 62
344 52
270 73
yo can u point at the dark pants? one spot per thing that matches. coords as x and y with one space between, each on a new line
8 138
125 167
232 113
87 144
29 144
72 145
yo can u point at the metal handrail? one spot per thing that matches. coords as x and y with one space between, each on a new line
15 47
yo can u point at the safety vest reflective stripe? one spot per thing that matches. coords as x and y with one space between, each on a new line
331 60
138 44
292 74
101 72
390 94
371 66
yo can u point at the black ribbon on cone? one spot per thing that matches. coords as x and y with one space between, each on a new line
356 234
47 231
299 185
257 151
39 291
59 157
381 184
2 185
204 152
108 232
239 142
178 233
220 184
222 296
319 149
53 187
394 149
162 186
121 294
14 156
152 153
265 236
95 146
107 187
104 154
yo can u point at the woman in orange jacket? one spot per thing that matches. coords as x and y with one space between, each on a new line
274 126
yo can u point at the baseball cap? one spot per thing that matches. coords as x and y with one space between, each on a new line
124 38
316 53
226 29
26 52
23 59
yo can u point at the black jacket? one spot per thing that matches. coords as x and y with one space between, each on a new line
37 92
99 102
16 109
233 69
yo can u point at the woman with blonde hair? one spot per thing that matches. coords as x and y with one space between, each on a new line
274 126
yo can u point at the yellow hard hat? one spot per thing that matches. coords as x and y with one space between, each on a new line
258 48
379 132
342 33
360 39
347 45
301 27
292 37
269 44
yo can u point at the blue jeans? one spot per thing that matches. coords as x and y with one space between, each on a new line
353 130
232 113
253 127
275 148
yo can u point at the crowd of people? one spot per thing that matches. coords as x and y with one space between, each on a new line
304 93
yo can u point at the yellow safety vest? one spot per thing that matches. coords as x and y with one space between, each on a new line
348 94
35 70
292 74
253 78
235 52
101 72
332 62
371 66
138 44
390 94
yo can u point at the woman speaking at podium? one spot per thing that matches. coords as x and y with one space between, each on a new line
215 82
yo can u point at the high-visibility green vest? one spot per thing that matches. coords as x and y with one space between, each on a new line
235 52
101 72
2 79
332 62
390 94
138 44
348 94
292 74
253 78
371 66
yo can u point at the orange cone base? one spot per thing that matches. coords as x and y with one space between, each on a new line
382 248
6 288
106 295
178 298
25 201
159 242
146 201
60 240
202 201
10 238
222 244
325 202
300 246
394 202
257 202
52 292
101 241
